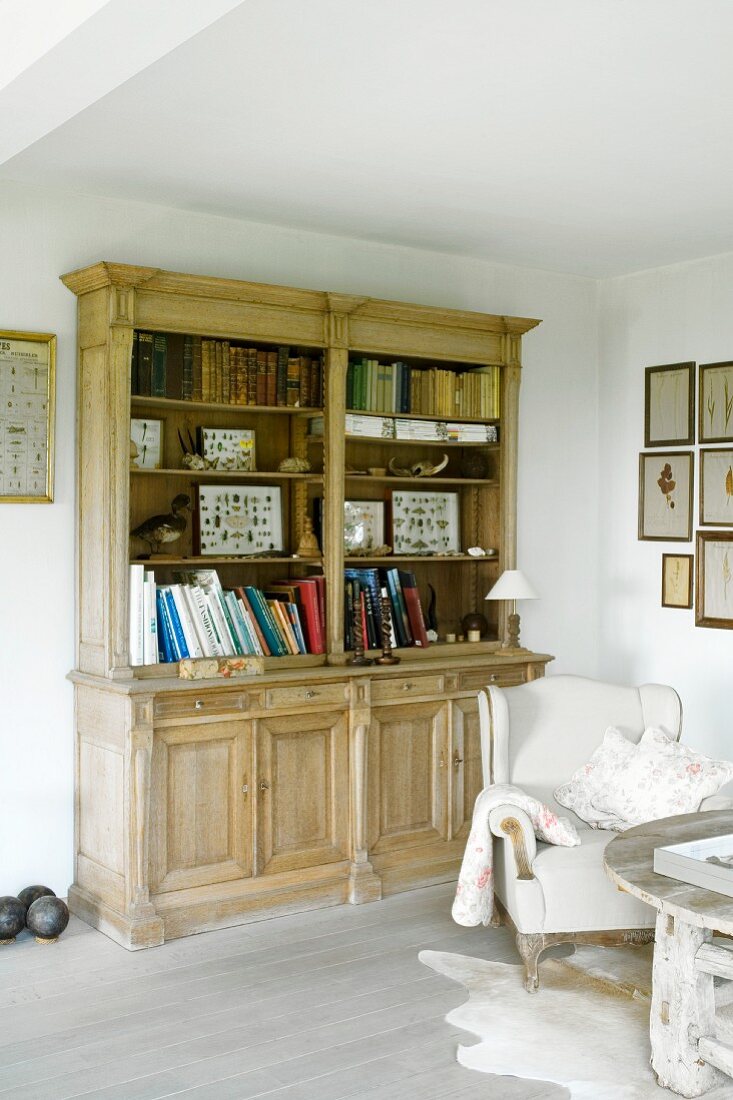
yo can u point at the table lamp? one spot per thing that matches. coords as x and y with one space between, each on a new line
512 585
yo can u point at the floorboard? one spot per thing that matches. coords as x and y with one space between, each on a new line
326 1005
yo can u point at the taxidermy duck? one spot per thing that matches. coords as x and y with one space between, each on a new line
159 530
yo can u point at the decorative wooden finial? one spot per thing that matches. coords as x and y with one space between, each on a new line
387 657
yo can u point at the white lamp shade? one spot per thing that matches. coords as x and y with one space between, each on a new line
512 585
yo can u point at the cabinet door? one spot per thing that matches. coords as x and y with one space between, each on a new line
466 773
302 791
200 805
408 767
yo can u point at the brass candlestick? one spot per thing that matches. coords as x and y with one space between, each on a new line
357 627
387 657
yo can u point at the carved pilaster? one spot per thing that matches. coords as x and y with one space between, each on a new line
364 884
139 759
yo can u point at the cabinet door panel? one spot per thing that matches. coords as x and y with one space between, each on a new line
467 776
201 830
407 769
302 795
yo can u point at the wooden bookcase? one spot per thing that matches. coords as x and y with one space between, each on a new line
206 804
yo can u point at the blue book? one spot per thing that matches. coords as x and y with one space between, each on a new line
166 652
179 638
264 617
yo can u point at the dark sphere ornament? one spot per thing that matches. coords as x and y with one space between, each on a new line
12 918
31 893
474 621
47 918
475 464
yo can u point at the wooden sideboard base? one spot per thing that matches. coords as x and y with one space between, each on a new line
132 934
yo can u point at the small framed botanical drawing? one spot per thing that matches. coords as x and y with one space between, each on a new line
677 580
27 386
669 405
146 443
425 523
363 525
715 404
241 520
665 496
716 488
714 592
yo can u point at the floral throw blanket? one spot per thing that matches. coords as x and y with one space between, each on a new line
474 900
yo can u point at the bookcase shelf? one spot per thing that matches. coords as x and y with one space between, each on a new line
280 784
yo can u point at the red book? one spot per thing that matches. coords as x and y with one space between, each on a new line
271 378
311 612
414 608
242 595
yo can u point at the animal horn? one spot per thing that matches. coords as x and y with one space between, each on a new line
398 471
193 445
432 470
180 440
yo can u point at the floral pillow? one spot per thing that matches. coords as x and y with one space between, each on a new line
582 793
660 779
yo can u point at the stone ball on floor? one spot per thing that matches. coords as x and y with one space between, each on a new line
31 893
12 918
46 918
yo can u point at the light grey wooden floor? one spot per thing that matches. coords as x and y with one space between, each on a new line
316 1006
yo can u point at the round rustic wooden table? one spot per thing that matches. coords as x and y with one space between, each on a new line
686 1056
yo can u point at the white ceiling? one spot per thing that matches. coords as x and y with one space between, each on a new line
589 136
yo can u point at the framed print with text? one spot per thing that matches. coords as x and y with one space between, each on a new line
669 405
714 590
715 404
27 390
665 495
677 580
716 488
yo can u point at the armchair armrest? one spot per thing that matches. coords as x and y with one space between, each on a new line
723 800
513 825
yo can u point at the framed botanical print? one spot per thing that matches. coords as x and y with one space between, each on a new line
669 405
716 487
146 443
665 495
27 389
714 592
677 580
715 404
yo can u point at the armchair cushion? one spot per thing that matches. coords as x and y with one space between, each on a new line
583 794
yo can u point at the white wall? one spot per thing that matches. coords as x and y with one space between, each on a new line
45 234
669 315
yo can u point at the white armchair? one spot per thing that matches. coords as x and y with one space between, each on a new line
535 736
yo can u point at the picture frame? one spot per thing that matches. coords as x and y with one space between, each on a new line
677 573
239 520
716 487
424 523
714 579
669 405
231 449
146 443
665 496
27 406
715 403
363 525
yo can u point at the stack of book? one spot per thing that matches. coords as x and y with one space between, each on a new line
366 586
196 617
445 431
372 386
368 427
192 368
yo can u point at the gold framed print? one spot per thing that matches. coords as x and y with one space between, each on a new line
665 495
27 392
677 580
714 587
715 403
716 487
669 405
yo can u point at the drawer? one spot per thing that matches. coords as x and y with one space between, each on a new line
477 678
197 704
315 695
384 691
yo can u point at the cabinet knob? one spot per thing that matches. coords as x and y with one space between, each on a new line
245 789
199 704
264 785
493 678
457 760
311 694
407 687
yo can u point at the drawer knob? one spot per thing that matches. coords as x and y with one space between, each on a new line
457 759
311 694
199 704
407 687
245 789
493 678
264 785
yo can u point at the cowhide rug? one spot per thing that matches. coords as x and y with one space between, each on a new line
580 1030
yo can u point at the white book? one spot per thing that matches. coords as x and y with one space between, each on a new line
254 638
137 614
187 593
150 636
237 623
189 631
213 646
220 624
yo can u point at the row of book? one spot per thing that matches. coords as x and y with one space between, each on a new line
196 617
431 431
366 588
372 386
192 368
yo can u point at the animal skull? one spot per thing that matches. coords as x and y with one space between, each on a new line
422 468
